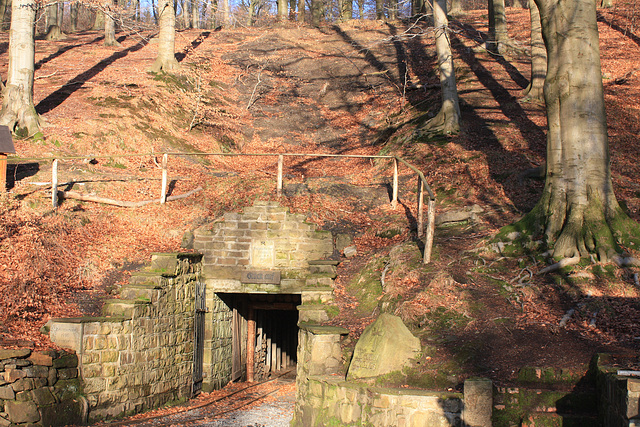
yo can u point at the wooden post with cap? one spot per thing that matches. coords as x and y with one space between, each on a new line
6 147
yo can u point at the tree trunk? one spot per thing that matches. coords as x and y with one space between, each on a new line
301 10
360 9
3 12
60 14
316 12
346 10
498 36
447 121
283 9
166 60
73 16
98 22
393 10
456 8
379 9
54 31
578 213
18 110
535 90
195 14
225 13
186 16
292 9
109 25
606 3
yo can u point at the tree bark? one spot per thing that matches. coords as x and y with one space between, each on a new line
535 90
283 9
98 22
578 213
346 10
186 15
195 14
606 3
379 9
301 10
18 110
54 31
316 12
498 36
225 13
73 16
109 25
166 60
447 121
456 8
3 12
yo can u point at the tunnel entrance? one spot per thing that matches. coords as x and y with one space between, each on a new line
264 334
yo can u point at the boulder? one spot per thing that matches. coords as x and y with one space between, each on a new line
385 346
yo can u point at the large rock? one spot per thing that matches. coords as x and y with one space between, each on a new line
385 346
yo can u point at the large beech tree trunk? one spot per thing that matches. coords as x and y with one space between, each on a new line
535 90
447 121
578 213
166 60
18 110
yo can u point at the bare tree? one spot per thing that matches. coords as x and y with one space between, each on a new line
73 16
54 32
283 10
498 36
346 9
578 213
166 59
535 90
18 110
195 14
447 120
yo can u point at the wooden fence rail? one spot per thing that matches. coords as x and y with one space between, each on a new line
422 185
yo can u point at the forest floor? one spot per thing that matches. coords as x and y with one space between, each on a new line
359 88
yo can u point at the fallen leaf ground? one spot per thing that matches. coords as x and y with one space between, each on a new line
357 88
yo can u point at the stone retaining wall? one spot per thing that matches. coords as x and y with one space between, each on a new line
40 389
140 355
324 398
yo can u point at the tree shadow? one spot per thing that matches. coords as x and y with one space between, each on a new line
63 50
619 29
57 97
194 44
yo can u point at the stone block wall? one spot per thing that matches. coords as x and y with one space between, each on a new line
265 236
619 399
324 398
40 389
333 401
217 363
140 355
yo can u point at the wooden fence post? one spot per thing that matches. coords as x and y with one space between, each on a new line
420 219
54 183
431 225
394 200
163 196
280 168
251 345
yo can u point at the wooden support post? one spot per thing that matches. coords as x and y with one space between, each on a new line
163 196
431 225
251 345
3 172
54 183
420 219
394 200
280 168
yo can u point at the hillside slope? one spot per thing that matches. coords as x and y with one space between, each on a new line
360 88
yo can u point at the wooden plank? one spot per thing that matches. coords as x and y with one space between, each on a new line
163 194
431 225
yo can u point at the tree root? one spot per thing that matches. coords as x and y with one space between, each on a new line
626 261
565 262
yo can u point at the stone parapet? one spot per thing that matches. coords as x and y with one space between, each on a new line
618 395
332 401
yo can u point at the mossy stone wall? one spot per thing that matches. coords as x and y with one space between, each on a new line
40 388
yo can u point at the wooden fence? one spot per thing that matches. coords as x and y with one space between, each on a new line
422 185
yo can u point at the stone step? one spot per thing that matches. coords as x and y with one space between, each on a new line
140 291
121 307
323 270
323 295
145 277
